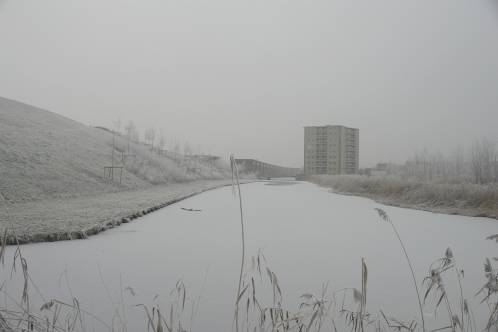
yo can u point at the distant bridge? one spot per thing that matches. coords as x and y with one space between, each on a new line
265 170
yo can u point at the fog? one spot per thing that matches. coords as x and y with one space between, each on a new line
245 77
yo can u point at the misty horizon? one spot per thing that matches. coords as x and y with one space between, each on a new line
246 78
222 165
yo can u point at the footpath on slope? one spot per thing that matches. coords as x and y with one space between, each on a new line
76 218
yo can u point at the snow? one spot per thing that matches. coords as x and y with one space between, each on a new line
45 156
61 219
52 181
479 200
308 236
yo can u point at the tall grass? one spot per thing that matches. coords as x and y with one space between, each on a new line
476 199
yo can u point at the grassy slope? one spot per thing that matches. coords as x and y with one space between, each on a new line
44 156
464 198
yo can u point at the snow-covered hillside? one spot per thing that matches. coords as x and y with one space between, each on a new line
44 155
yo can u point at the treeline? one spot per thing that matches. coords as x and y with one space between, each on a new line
462 182
478 164
455 198
155 139
145 154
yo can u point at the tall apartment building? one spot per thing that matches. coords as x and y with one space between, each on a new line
331 150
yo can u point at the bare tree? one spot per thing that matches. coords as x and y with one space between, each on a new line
458 163
177 147
483 161
187 150
131 133
479 165
476 163
117 126
116 131
150 136
162 142
495 167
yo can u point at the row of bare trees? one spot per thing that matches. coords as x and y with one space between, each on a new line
156 140
477 164
484 162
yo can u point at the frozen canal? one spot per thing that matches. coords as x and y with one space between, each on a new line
308 235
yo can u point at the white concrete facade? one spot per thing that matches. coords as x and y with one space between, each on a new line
331 150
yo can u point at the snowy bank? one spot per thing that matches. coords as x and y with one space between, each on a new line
450 198
53 180
46 156
77 218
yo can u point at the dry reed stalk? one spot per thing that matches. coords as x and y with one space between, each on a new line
386 218
363 305
435 282
235 176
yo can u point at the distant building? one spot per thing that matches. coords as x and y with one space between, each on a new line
382 167
331 150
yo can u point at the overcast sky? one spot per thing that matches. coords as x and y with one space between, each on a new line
246 76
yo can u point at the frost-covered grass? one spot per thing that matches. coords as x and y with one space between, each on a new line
46 156
461 198
52 175
155 168
62 219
